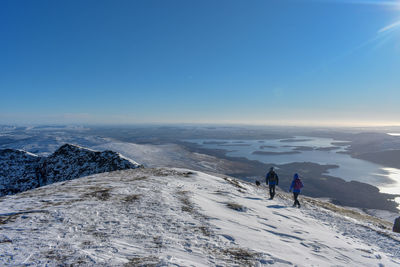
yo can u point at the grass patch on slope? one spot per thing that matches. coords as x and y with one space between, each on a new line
149 261
101 194
237 207
241 256
350 213
235 183
183 197
131 198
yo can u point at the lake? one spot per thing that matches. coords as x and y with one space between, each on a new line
311 149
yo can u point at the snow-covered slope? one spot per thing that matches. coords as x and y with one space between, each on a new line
21 171
175 217
167 155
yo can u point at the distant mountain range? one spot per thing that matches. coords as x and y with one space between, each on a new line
21 171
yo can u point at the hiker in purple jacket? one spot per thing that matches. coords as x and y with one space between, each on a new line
296 187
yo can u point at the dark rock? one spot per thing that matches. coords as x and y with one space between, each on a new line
396 226
18 171
21 171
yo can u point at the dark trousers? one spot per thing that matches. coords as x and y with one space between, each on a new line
296 201
271 191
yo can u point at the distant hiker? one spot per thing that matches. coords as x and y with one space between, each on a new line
272 180
296 187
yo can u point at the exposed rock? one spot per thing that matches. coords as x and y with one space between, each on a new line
21 171
396 226
18 171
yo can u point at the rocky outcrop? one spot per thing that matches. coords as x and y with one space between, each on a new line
396 226
18 171
21 171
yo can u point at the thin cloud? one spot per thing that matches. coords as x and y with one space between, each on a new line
366 2
392 26
377 3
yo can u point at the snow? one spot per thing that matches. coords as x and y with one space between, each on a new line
166 155
177 217
45 142
21 170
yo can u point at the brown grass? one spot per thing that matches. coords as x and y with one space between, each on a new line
131 198
149 261
5 240
12 217
53 255
100 235
236 206
187 206
241 255
103 194
235 183
350 213
8 219
206 231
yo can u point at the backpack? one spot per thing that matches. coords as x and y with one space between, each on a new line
297 184
272 177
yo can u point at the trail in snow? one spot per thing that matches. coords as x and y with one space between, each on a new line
174 217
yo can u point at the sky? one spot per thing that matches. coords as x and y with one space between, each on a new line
279 62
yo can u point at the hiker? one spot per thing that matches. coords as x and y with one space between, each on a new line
272 180
296 187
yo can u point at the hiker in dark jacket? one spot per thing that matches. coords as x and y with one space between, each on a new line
296 187
272 180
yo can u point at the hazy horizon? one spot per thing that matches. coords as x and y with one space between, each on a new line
286 62
391 129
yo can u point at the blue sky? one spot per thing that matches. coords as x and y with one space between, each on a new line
170 61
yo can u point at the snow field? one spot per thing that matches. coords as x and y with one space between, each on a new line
310 236
176 217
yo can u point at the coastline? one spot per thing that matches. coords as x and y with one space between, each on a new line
318 183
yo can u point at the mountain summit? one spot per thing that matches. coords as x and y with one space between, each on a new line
176 217
21 170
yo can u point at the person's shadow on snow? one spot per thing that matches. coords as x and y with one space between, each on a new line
253 198
276 206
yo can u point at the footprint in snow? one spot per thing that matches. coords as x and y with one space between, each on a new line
230 238
300 232
283 235
284 216
269 225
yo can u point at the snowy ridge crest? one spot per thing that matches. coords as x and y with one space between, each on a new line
21 171
180 217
